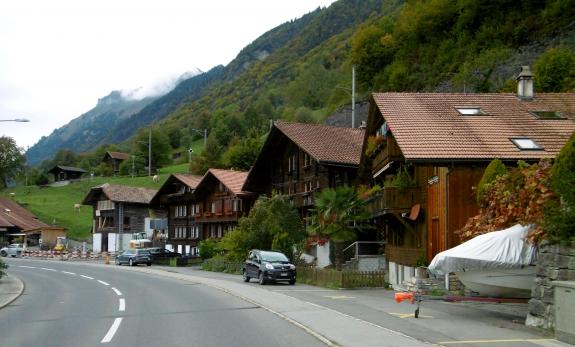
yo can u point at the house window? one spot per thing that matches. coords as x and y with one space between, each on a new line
526 144
181 211
306 160
108 222
181 232
126 223
220 231
547 114
236 205
382 131
194 251
292 164
195 209
222 188
213 207
307 186
470 111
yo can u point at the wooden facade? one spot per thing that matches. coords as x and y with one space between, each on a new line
285 164
417 221
175 197
115 159
65 173
119 210
200 208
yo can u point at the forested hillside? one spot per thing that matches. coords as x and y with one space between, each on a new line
301 70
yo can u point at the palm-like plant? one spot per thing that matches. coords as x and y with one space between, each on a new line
337 215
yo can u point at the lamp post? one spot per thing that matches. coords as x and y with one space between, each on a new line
20 120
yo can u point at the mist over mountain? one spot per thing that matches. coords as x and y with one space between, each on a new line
93 128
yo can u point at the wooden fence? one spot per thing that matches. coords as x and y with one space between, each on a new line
340 279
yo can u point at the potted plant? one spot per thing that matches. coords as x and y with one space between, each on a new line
421 268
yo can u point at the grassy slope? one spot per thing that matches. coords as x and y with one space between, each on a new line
57 203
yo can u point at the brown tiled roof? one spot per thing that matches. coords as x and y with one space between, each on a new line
121 193
189 180
325 143
118 155
428 127
66 168
234 180
13 214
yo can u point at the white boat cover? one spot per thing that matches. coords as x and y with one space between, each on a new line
503 249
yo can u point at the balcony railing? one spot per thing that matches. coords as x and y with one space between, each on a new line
389 152
392 200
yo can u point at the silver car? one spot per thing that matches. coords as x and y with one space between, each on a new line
12 250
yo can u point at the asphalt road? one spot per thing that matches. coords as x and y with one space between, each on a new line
73 304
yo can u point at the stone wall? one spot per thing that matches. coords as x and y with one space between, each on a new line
555 262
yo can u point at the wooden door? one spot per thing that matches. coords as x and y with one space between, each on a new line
436 214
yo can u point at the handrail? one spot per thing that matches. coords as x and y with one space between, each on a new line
356 244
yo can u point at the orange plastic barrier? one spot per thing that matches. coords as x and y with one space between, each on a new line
401 296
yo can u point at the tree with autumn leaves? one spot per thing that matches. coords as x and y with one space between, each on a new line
541 194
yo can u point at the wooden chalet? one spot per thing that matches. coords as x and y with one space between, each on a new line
65 173
299 159
176 198
444 142
119 212
221 201
114 159
17 223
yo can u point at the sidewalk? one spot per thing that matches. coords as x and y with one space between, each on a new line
371 317
10 289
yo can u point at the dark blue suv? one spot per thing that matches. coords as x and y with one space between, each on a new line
268 266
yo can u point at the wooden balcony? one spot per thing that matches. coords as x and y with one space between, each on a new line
387 153
404 255
391 200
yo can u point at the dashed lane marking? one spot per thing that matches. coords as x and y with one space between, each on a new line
110 335
119 293
339 297
88 277
27 267
68 272
47 269
122 306
104 283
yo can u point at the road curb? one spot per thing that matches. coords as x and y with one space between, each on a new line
7 298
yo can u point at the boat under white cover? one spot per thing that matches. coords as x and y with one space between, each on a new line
496 264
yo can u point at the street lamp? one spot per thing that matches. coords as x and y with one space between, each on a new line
20 120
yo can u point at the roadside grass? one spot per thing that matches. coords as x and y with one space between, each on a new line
55 205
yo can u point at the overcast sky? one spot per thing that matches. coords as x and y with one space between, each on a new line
58 57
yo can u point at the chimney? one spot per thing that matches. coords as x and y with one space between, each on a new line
525 84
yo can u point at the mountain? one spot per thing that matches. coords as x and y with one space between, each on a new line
94 127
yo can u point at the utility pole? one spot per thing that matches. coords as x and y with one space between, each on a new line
150 152
353 96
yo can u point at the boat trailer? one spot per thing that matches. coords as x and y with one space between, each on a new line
417 297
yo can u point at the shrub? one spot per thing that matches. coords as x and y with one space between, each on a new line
220 264
559 220
495 169
208 248
555 70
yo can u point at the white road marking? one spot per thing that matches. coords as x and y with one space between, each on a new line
110 335
104 283
119 293
69 273
122 307
27 267
45 268
88 277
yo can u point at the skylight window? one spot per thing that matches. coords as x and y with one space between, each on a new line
526 144
470 111
547 114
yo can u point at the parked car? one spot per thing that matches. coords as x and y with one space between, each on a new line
162 253
268 266
134 257
12 250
